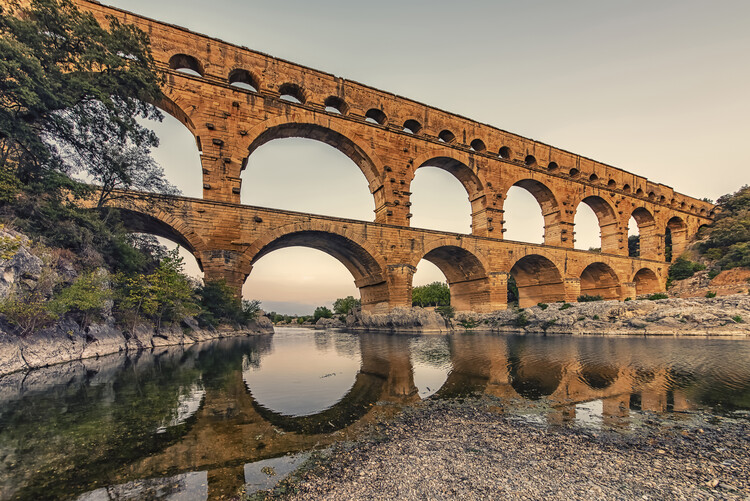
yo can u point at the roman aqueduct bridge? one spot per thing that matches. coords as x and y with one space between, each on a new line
233 100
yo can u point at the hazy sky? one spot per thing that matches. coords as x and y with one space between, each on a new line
656 88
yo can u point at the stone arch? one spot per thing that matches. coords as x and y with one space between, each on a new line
538 280
532 373
599 279
608 227
186 62
646 282
650 245
244 79
309 126
293 91
466 272
172 108
464 168
162 224
678 234
359 257
548 205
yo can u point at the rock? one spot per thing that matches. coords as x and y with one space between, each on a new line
409 320
23 267
329 323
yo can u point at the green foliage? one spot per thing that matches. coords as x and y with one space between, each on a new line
85 298
713 273
548 323
543 306
565 306
10 186
738 319
521 319
628 299
342 306
683 268
586 298
446 310
322 312
27 313
218 304
634 245
512 290
710 294
70 87
728 240
595 317
164 295
658 295
468 323
434 294
8 245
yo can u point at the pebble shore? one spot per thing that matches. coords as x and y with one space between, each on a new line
470 451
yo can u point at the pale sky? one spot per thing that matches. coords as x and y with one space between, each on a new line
655 88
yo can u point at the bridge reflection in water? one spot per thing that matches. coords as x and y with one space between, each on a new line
198 417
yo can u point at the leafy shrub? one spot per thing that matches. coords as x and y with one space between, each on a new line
344 305
27 313
595 317
628 299
468 323
446 310
8 245
543 306
658 295
586 298
218 304
322 312
738 319
434 294
548 323
684 268
565 306
521 319
710 294
85 298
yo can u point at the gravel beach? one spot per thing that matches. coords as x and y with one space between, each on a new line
468 451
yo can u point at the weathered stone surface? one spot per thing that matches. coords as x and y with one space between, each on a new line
329 323
402 320
67 342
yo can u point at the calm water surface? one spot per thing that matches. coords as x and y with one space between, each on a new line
204 422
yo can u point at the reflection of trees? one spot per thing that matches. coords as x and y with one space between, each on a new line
75 437
433 351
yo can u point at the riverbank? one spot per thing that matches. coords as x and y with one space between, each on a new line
67 342
471 451
720 316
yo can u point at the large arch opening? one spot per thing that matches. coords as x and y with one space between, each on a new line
642 239
598 279
451 213
178 152
646 282
675 238
532 371
439 201
142 226
307 168
466 276
538 281
592 214
301 278
530 212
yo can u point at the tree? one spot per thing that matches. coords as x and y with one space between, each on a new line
634 245
729 237
434 294
86 298
322 312
342 306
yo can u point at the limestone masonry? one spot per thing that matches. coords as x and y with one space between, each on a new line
236 100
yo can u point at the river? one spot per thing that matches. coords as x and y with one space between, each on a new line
203 422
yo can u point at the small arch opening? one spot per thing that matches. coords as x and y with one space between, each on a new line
412 126
530 161
336 105
651 195
376 116
593 178
243 79
552 167
639 192
626 188
292 93
611 184
504 153
186 64
447 136
574 172
478 145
